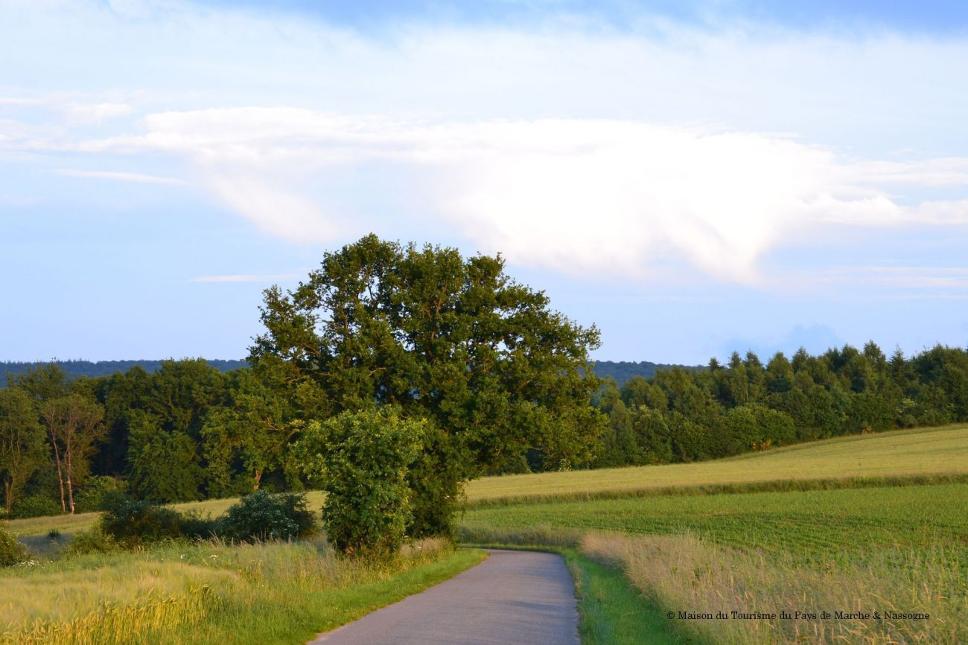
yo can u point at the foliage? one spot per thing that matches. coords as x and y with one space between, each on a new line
22 446
74 425
362 460
134 522
262 516
35 506
164 464
11 551
96 491
94 540
444 338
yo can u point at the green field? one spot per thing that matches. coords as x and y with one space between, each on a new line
867 523
809 524
893 455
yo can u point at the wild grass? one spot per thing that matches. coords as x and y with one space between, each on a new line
210 592
682 573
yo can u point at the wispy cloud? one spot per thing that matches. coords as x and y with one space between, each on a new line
115 175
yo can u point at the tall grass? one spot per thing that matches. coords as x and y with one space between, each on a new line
685 574
210 592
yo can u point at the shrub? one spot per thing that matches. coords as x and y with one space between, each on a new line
362 460
93 541
35 506
11 551
133 522
263 516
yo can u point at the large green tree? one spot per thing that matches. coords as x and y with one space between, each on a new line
23 449
444 337
74 424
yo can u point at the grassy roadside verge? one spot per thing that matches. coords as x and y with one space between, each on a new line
211 592
611 610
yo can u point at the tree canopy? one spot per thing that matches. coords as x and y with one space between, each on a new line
447 338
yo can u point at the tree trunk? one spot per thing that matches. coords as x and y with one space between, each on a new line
60 471
258 479
8 495
70 487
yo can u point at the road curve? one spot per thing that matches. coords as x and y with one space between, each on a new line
511 597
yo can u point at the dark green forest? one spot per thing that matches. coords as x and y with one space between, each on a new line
618 371
499 382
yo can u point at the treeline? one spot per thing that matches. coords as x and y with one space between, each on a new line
79 368
622 371
618 371
682 415
189 431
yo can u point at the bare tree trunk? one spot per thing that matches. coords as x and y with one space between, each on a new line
8 495
70 487
60 471
258 479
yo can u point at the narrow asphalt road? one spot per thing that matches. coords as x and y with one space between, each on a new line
512 597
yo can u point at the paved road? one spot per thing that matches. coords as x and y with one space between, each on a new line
512 597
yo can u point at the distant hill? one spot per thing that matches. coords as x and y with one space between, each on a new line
77 369
621 371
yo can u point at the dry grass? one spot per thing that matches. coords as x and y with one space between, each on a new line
683 573
209 592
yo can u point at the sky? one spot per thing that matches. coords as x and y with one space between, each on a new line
693 177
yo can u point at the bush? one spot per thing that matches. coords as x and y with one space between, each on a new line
35 506
262 516
362 460
11 551
133 522
93 541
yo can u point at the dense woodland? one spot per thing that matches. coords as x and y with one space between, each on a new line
618 371
499 381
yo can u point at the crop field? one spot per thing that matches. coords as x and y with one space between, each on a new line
885 530
809 524
897 455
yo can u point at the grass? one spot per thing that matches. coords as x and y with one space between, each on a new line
857 524
889 457
210 592
611 611
807 524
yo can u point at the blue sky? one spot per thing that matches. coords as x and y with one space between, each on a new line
693 177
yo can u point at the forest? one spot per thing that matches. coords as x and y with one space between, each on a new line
502 382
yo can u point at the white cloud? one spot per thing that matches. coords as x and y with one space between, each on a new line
563 144
578 195
116 175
